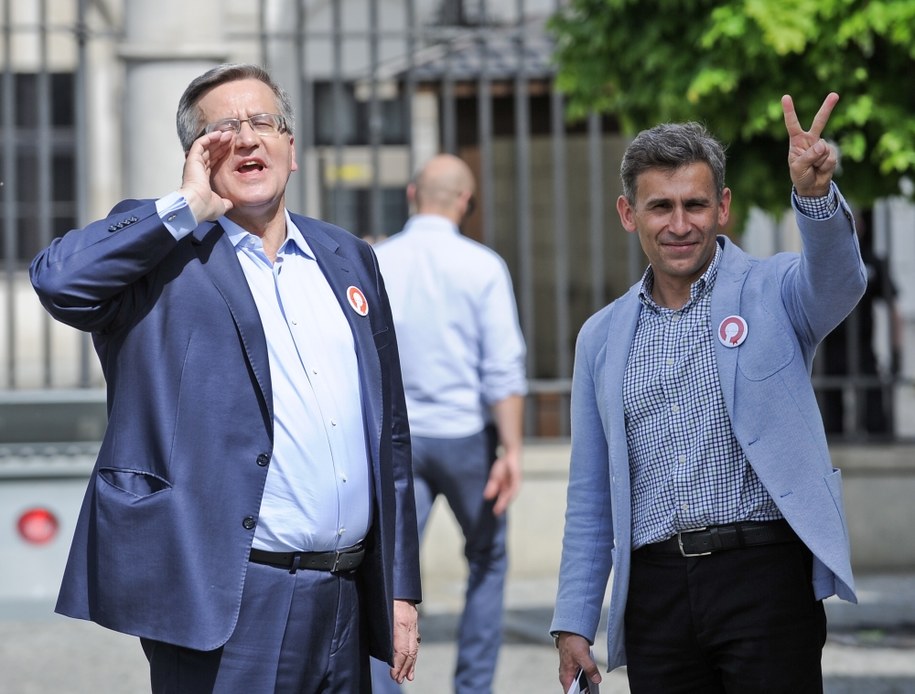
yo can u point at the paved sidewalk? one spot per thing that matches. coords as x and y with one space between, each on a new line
870 650
871 647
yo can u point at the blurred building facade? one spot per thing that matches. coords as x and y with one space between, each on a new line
89 88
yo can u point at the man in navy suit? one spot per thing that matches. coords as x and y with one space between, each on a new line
700 472
251 514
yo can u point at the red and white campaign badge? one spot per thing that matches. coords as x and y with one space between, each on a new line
732 331
357 300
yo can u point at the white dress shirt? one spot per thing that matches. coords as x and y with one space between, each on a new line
461 348
318 492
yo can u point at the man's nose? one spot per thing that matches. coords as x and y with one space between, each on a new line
679 220
246 132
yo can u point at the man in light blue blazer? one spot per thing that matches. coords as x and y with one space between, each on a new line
251 514
700 472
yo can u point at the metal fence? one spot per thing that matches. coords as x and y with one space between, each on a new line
379 87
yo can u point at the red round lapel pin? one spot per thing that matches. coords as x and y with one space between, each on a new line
732 331
357 300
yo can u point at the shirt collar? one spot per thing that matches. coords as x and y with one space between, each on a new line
697 289
431 224
294 242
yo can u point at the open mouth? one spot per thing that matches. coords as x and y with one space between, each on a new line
250 166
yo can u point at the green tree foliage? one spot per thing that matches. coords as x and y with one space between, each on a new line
727 64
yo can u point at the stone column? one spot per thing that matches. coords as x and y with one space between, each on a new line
167 44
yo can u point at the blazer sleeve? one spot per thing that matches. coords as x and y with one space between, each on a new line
587 545
822 288
406 576
90 276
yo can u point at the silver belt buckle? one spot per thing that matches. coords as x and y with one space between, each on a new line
337 557
680 542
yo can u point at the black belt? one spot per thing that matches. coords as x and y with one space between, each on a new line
345 560
699 542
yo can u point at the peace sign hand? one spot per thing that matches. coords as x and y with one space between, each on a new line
811 160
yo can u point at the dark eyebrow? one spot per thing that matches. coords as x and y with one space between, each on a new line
657 202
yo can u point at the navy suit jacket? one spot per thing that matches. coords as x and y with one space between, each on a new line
161 546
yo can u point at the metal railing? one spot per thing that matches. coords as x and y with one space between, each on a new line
375 96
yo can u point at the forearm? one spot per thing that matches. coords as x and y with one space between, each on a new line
830 277
508 415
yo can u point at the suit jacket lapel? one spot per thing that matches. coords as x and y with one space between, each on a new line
732 271
217 257
341 275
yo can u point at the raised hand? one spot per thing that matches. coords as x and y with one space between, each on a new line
204 155
811 160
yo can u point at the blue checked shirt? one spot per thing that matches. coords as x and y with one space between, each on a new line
687 469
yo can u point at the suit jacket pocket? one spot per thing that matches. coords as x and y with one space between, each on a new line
138 483
763 355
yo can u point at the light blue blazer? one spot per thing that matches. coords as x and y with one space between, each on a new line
790 302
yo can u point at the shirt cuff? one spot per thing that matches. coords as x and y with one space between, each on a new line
176 215
818 207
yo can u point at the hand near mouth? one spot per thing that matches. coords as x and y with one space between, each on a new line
196 187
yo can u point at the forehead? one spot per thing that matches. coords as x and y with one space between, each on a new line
237 98
689 181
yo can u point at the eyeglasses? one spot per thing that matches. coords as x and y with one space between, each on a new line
264 124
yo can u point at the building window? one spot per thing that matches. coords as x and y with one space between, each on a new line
350 121
44 156
351 208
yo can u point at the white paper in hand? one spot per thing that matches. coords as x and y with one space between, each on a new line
582 685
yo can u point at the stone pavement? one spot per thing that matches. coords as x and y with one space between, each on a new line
871 647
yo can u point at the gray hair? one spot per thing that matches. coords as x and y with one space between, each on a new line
190 119
670 146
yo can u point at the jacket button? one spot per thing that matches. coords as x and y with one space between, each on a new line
263 459
248 523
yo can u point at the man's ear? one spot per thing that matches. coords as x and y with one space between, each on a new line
626 213
294 165
724 207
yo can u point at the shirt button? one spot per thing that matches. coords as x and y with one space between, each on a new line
341 531
670 362
333 422
248 523
684 507
681 459
675 409
171 218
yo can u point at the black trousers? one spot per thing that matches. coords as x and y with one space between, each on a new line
742 621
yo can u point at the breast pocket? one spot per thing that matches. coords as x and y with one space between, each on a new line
768 349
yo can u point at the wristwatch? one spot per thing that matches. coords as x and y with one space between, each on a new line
555 635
